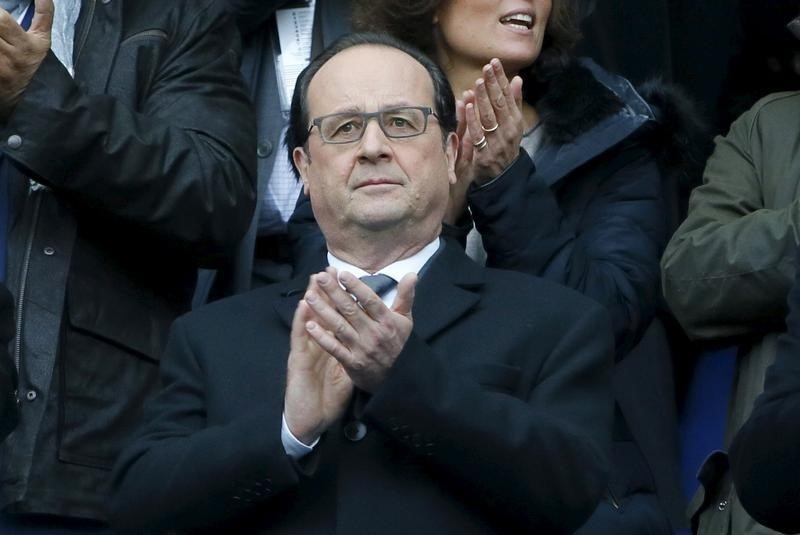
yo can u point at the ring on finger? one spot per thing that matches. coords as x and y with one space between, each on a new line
490 130
481 143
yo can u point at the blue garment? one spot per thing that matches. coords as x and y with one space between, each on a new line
4 167
26 20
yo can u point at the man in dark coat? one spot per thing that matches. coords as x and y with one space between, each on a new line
127 141
461 400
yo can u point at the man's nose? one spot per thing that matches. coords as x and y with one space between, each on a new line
373 144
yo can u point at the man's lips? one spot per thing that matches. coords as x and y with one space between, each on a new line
377 182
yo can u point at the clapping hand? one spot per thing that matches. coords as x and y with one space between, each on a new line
490 128
362 334
341 338
21 53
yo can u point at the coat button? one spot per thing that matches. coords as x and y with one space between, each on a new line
723 504
49 251
14 142
31 395
264 149
355 431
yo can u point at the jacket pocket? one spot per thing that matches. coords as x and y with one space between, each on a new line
497 377
110 307
110 348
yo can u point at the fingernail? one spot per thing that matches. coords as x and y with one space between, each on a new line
310 298
323 279
495 63
310 325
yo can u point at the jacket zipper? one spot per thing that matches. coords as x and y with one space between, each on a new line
23 280
76 53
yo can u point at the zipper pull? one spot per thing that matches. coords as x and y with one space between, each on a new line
612 500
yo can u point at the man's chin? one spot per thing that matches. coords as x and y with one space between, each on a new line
379 220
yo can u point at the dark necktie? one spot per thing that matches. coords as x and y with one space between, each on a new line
380 284
4 170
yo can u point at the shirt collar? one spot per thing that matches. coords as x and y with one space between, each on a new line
16 8
396 270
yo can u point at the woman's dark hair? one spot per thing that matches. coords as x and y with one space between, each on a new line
412 21
443 100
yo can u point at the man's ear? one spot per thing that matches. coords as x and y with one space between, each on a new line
302 160
451 153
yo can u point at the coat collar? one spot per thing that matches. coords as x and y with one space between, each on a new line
330 22
447 290
585 111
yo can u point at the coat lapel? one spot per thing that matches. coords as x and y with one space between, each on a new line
294 289
286 305
446 291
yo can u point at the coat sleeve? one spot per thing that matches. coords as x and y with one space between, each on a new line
180 163
182 473
765 455
608 252
728 268
535 461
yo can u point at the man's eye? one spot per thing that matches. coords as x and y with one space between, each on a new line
346 129
399 122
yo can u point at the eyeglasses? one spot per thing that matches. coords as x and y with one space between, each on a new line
349 127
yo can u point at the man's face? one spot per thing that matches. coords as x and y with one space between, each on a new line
377 183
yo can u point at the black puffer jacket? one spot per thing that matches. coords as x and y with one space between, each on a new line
140 168
592 209
586 209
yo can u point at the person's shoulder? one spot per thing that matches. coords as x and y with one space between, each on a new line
774 111
251 306
539 295
778 101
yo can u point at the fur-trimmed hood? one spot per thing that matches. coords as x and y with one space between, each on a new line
586 110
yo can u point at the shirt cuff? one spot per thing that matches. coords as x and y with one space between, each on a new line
291 445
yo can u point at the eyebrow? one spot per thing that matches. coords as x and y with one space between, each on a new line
358 109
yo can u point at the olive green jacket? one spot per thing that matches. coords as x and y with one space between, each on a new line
728 269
